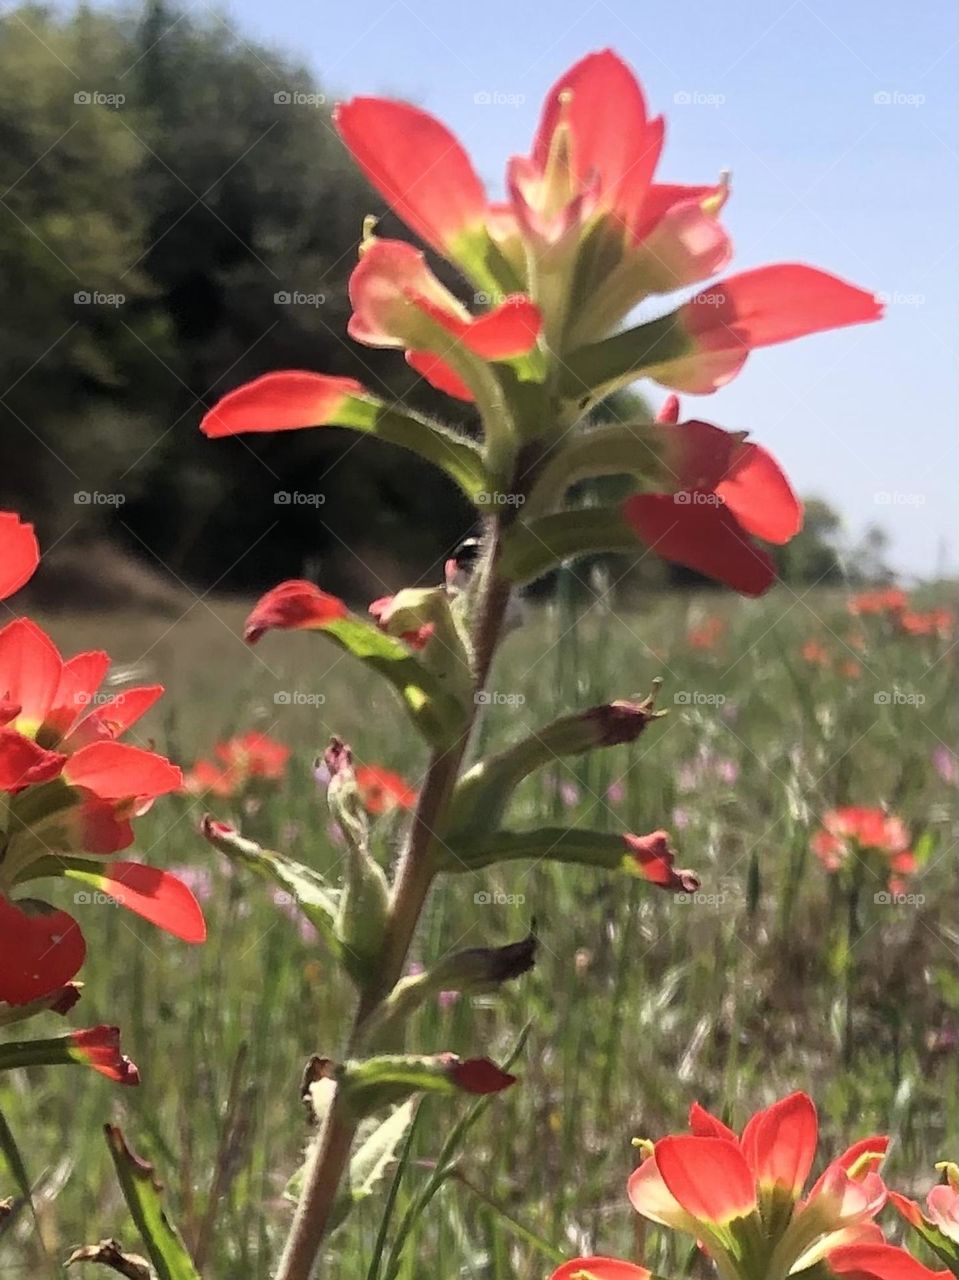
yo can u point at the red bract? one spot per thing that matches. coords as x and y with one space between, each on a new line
724 1190
280 402
728 491
596 1268
878 1261
99 1048
293 606
890 600
19 553
652 858
855 832
381 790
39 952
935 622
380 610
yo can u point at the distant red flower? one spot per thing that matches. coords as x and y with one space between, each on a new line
888 600
727 492
381 790
707 634
934 622
242 760
99 1048
19 553
855 831
815 653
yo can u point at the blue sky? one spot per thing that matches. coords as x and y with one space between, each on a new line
836 120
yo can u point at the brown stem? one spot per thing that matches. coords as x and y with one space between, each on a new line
410 891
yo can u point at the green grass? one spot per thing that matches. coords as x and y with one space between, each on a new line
638 1004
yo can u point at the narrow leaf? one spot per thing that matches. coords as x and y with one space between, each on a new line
142 1193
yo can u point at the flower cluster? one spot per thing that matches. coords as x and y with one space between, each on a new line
854 835
248 761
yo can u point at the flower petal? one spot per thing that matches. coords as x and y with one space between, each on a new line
155 895
705 1125
708 1177
439 375
30 667
879 1262
282 401
597 1268
118 771
23 763
702 535
19 553
38 952
649 1196
80 678
417 165
113 717
779 1143
293 606
99 1048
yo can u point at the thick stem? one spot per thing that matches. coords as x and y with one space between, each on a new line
413 880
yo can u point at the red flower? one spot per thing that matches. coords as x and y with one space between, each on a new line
281 402
941 1218
723 1189
597 1268
381 790
99 1048
760 308
707 634
728 491
889 600
879 1261
815 653
854 831
40 951
293 606
241 760
19 553
651 858
936 622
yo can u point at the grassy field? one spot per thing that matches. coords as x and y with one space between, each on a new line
639 1002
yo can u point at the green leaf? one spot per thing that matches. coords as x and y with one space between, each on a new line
623 449
304 886
142 1193
459 458
592 372
554 844
370 1084
534 548
15 1161
433 707
373 1157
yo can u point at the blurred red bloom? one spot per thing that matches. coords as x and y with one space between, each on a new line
889 600
241 760
381 790
707 634
854 831
935 622
815 653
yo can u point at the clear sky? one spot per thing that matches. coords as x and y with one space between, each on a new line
836 118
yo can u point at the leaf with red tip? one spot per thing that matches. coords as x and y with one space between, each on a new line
479 1075
879 1262
154 894
296 605
652 858
99 1048
118 771
38 952
19 553
280 402
702 535
707 1176
419 168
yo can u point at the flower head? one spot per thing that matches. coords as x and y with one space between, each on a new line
854 832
